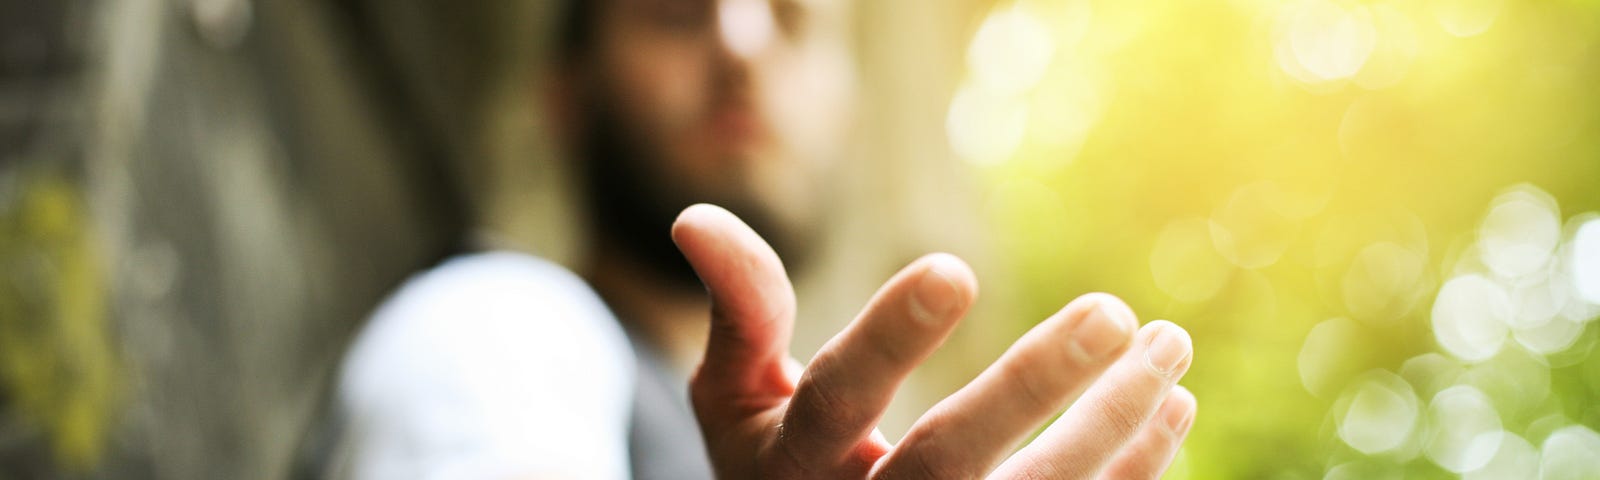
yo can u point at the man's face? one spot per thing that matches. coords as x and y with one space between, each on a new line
742 103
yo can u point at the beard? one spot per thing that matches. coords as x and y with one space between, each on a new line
633 196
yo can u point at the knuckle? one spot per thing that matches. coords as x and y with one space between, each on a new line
787 458
1035 471
705 406
930 450
928 469
1039 391
1121 415
917 464
937 423
1136 470
821 411
741 324
725 327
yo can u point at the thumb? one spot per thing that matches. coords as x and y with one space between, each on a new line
752 311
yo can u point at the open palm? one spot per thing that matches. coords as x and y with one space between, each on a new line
764 416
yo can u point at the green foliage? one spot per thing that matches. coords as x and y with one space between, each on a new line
57 366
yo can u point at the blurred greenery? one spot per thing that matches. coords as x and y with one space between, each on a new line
1252 169
56 360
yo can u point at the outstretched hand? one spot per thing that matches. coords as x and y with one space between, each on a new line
765 416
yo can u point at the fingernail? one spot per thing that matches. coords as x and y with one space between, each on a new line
1167 348
1176 416
1101 332
935 295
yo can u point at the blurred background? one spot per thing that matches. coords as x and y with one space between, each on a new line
1379 219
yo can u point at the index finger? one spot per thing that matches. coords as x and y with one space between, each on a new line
852 378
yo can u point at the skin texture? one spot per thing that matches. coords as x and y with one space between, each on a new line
765 416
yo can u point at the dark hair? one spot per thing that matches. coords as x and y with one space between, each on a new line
576 31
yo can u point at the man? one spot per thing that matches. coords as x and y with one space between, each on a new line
500 365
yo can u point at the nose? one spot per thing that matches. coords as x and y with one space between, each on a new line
745 27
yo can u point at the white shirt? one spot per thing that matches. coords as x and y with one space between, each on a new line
491 366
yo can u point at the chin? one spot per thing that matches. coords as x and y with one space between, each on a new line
789 215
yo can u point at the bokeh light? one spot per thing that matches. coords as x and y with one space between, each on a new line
1470 316
1570 453
1323 362
1183 263
1011 51
1466 429
1519 232
1323 41
1515 458
1381 282
1380 413
986 127
1249 229
1465 18
1586 261
1376 217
